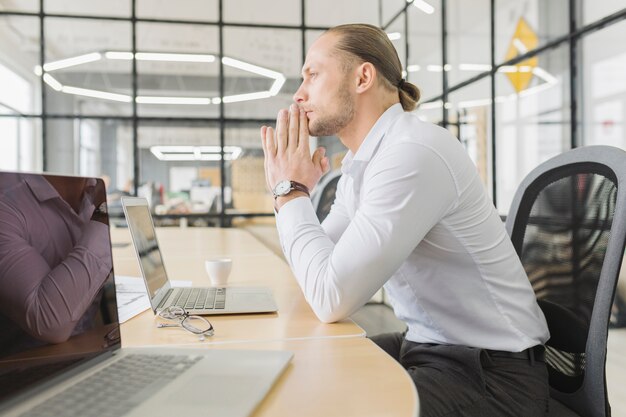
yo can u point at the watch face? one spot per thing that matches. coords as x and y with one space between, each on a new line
282 187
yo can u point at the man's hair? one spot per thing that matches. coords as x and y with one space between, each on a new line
367 43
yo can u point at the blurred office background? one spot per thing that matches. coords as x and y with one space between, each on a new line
516 81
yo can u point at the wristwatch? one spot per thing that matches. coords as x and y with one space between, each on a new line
284 187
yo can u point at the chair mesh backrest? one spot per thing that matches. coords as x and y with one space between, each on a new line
327 198
563 232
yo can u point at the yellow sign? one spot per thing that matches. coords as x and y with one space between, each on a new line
524 39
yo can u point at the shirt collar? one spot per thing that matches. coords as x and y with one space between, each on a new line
40 187
370 143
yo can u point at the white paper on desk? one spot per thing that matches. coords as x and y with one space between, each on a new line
132 297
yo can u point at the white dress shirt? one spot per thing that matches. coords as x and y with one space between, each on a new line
412 214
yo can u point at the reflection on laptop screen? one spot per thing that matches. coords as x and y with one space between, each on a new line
57 295
140 225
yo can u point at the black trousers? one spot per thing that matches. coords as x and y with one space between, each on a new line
464 381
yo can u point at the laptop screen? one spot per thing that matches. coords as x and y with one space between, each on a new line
57 295
144 237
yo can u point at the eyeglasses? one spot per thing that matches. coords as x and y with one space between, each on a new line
181 318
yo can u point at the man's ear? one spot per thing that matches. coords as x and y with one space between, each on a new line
365 77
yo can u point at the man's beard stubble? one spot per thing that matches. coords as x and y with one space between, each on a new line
330 125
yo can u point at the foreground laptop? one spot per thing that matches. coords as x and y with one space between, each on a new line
196 300
60 344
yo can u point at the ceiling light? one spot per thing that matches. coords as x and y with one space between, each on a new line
474 103
173 100
413 68
394 36
475 67
279 79
235 63
71 62
95 94
438 68
519 45
195 153
278 84
234 150
158 56
52 82
118 55
172 57
423 6
545 75
536 89
507 68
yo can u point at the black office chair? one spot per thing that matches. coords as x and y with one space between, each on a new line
324 194
568 225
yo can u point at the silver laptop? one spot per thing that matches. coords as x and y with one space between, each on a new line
196 300
66 359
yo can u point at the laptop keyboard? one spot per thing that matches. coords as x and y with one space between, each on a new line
200 298
116 389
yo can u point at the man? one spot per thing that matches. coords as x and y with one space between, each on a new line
411 214
54 258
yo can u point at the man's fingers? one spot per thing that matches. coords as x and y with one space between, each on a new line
294 116
267 174
265 153
281 131
303 142
270 142
318 156
263 131
325 165
269 150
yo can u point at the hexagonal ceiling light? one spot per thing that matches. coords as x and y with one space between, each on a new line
279 79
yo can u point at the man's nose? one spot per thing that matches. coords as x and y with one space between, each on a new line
299 96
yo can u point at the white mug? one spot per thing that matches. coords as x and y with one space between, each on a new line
218 270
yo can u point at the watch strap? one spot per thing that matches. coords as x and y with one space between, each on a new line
300 187
293 186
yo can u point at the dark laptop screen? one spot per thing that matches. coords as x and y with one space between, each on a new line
144 237
57 295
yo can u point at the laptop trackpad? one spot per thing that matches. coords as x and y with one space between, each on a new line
225 384
221 393
251 298
210 394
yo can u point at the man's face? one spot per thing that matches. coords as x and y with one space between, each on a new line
325 93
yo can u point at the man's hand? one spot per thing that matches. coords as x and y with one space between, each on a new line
287 154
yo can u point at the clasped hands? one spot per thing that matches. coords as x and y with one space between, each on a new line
287 152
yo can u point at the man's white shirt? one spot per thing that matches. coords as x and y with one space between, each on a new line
412 214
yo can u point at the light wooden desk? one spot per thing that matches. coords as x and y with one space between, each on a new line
335 371
336 377
184 251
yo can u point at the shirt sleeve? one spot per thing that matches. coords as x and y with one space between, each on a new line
337 220
47 301
406 190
